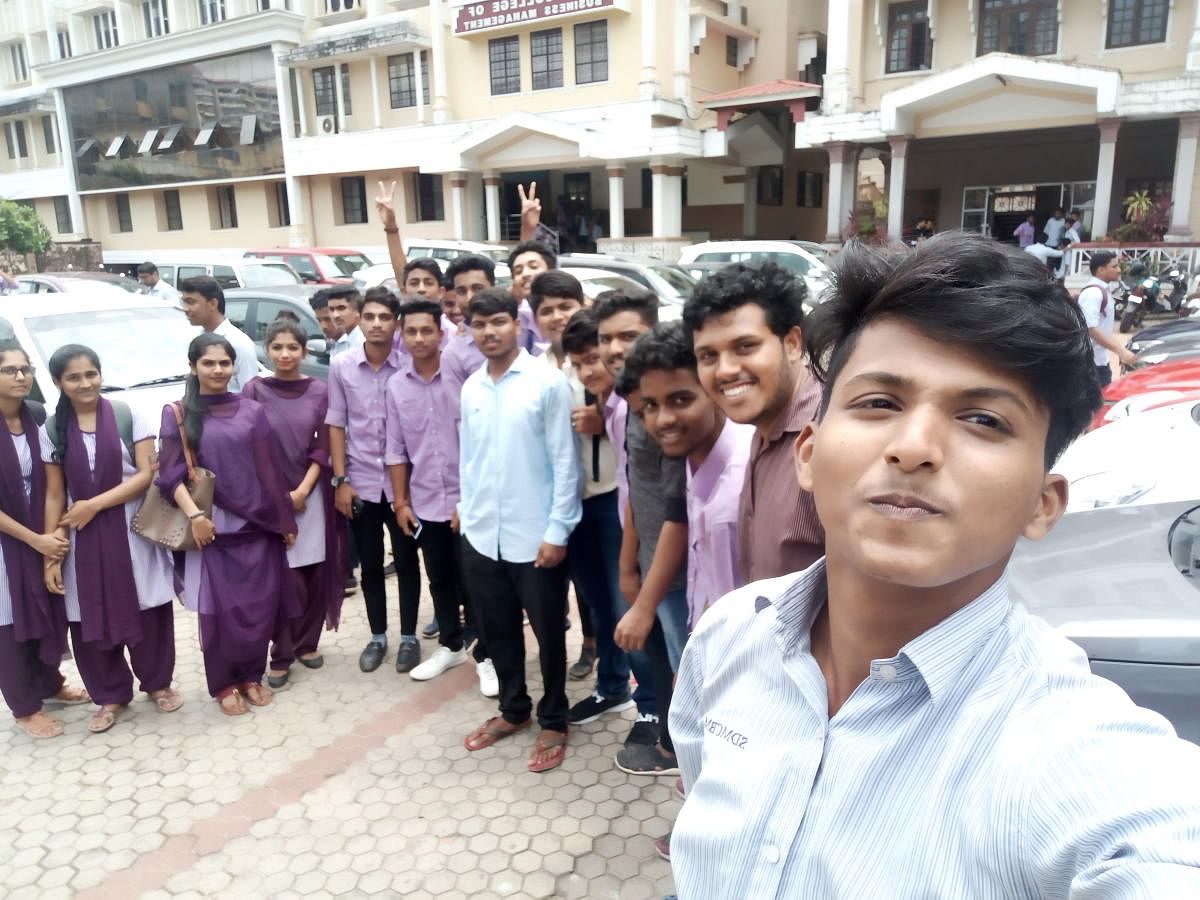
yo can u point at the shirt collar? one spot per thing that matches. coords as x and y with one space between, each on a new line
802 409
359 355
520 364
408 368
705 478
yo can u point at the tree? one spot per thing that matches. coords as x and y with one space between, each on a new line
21 229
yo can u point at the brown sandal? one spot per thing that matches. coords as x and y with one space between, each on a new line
69 696
256 694
40 725
549 740
105 718
168 699
494 729
238 707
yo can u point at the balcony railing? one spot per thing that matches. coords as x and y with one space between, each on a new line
1159 258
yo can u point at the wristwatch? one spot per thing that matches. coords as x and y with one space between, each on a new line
338 480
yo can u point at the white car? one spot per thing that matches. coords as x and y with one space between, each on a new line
596 281
791 255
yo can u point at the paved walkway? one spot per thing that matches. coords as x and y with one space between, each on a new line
348 785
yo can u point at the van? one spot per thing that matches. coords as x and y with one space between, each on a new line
228 268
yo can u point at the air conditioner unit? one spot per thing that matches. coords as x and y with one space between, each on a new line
327 124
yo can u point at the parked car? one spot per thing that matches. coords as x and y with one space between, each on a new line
1120 574
316 265
596 281
1163 331
227 267
141 341
672 284
254 309
789 254
1147 387
59 282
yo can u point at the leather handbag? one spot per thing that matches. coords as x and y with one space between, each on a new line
164 523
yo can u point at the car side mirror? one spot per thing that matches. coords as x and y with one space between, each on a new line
317 346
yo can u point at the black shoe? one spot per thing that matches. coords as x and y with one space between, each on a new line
431 630
595 706
408 656
643 759
583 668
644 731
372 656
350 586
275 682
314 662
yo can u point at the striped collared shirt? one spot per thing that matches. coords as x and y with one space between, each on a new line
983 760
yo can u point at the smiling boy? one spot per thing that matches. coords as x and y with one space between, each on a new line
925 737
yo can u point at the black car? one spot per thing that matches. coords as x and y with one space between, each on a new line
254 309
1172 330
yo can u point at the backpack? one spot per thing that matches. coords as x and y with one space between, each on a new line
121 412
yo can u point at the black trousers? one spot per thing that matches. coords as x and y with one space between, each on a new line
368 527
1104 374
443 567
664 681
500 589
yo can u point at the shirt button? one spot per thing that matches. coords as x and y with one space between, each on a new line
771 853
887 672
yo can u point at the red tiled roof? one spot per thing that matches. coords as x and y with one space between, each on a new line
758 93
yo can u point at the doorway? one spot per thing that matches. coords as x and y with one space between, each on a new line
510 200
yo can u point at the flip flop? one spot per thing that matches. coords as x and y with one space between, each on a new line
103 719
549 740
167 700
53 727
240 709
260 697
491 731
69 696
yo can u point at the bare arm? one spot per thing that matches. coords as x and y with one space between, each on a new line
337 450
56 499
385 204
309 482
531 211
1124 354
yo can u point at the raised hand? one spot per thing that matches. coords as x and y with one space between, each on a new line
385 204
531 206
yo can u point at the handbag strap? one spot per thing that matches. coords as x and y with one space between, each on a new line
187 449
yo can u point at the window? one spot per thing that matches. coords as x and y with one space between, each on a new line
345 90
48 134
1024 27
177 94
211 11
124 217
20 69
402 80
324 87
172 214
909 47
731 51
354 200
769 190
504 63
546 54
810 190
14 137
154 17
64 44
62 215
1133 22
281 212
104 25
337 6
226 207
591 52
429 198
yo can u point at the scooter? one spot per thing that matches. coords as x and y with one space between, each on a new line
1174 289
1144 294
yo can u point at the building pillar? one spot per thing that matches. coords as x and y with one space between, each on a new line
895 182
458 204
682 36
648 83
339 102
1185 171
419 85
437 62
1101 210
302 76
48 16
667 214
840 160
836 89
376 96
1193 57
750 202
491 196
78 34
616 201
125 33
66 150
297 195
174 16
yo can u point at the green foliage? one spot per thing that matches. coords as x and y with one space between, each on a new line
1138 206
21 229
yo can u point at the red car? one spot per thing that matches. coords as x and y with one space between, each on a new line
1147 388
317 265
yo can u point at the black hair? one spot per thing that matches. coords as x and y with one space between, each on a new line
1100 259
287 323
383 296
665 347
780 294
471 262
147 268
581 333
193 409
425 264
966 290
626 382
545 252
346 292
9 345
421 306
319 300
206 287
639 300
554 283
1137 267
491 301
57 364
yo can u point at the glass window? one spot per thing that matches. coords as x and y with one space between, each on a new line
546 55
429 198
14 137
402 81
266 311
64 44
303 264
48 134
211 11
124 216
226 207
354 200
282 212
810 189
909 46
346 108
237 311
173 214
1024 27
731 51
191 271
504 64
792 261
591 52
20 69
154 17
1132 22
324 86
104 26
62 215
225 277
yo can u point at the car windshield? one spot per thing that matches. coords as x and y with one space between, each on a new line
498 255
265 276
681 281
137 345
343 263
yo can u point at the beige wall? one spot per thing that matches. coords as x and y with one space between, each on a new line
328 230
35 143
710 73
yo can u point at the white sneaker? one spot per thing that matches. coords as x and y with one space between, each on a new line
443 658
489 684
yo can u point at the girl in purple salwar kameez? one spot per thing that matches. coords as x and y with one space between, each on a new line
296 407
238 581
33 627
118 586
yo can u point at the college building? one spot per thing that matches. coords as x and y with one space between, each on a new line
189 124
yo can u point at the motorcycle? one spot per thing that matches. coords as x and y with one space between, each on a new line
1175 290
1144 294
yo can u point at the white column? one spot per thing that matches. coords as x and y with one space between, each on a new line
48 14
682 46
1193 57
458 204
175 16
1185 171
376 96
283 87
302 89
838 152
297 195
1101 211
337 97
125 32
419 84
850 182
648 83
437 60
895 182
78 30
667 213
491 193
836 91
66 151
750 202
616 201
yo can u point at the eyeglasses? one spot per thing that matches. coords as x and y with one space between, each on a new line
14 371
